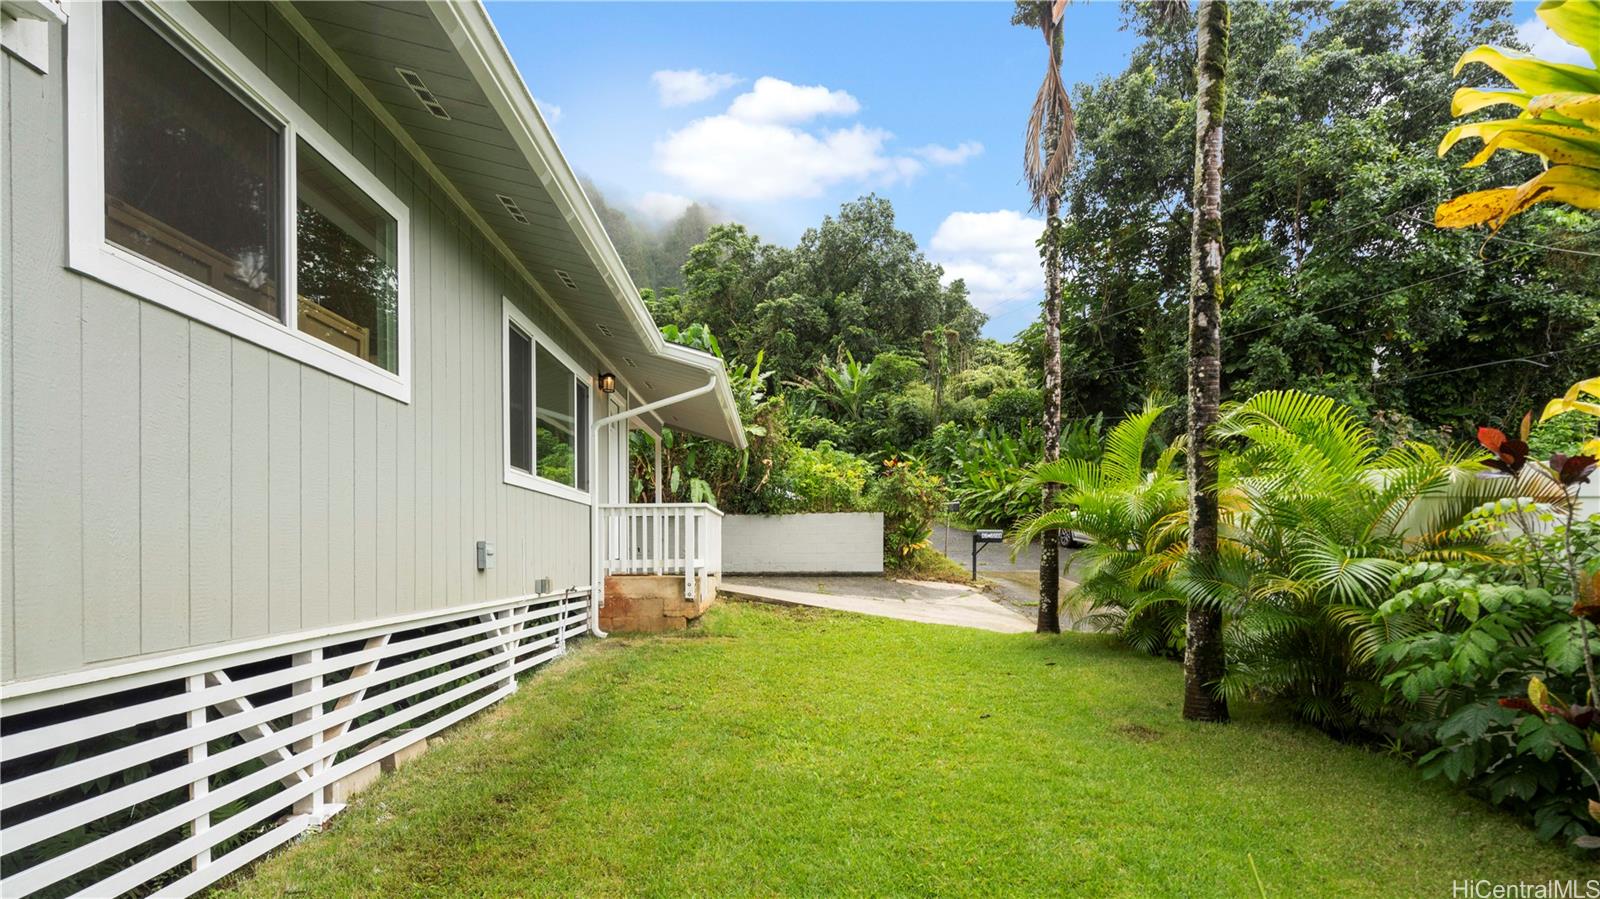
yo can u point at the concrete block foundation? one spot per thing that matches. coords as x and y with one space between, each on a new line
653 603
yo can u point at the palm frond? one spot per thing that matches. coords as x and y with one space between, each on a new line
1052 133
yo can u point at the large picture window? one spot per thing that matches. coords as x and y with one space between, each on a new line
547 412
193 179
196 183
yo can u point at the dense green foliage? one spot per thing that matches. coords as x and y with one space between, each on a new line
854 284
825 479
1335 280
1471 639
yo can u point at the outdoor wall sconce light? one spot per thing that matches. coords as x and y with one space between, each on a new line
607 382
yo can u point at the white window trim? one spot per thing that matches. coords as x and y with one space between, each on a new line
514 476
89 253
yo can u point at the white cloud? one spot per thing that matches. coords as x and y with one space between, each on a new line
994 252
550 111
680 87
950 155
756 151
660 207
775 100
1546 45
733 159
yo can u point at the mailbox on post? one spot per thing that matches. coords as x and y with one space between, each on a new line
980 539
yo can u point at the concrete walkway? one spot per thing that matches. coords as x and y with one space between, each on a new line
1015 582
924 601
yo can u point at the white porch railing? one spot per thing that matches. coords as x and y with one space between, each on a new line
662 538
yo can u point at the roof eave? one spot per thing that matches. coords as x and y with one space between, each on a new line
478 42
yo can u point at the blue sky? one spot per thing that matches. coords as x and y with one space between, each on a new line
923 104
775 113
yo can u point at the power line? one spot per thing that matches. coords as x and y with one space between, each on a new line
1490 364
1256 330
1266 262
1525 243
1544 246
1136 363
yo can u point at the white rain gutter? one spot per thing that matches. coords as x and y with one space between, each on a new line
597 578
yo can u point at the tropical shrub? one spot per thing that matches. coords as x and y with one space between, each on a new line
1133 514
909 497
1559 123
824 479
839 389
1316 521
1014 408
987 469
810 430
988 475
1488 665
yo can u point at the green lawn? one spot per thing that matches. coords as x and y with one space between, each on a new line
786 752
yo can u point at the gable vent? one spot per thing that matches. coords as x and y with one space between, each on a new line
429 101
566 279
512 209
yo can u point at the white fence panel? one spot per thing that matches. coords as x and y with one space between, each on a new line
165 777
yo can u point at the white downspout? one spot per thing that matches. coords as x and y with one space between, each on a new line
597 583
596 576
668 401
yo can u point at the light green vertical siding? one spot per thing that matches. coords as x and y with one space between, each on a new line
167 485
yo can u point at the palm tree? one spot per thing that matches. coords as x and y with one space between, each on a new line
1204 659
1134 515
1314 523
1047 155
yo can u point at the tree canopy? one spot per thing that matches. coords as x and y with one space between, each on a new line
855 284
1336 280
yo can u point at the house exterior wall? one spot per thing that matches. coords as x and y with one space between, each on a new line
167 485
812 543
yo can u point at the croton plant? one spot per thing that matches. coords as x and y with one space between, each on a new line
1509 456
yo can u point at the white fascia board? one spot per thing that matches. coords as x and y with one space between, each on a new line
478 42
42 10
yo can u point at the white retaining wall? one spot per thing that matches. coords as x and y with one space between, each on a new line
812 543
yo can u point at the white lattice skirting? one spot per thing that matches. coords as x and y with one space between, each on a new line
163 777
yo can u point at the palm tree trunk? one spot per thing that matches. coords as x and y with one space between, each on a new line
1204 661
1049 547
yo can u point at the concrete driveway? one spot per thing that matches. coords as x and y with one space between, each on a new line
924 601
1015 581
